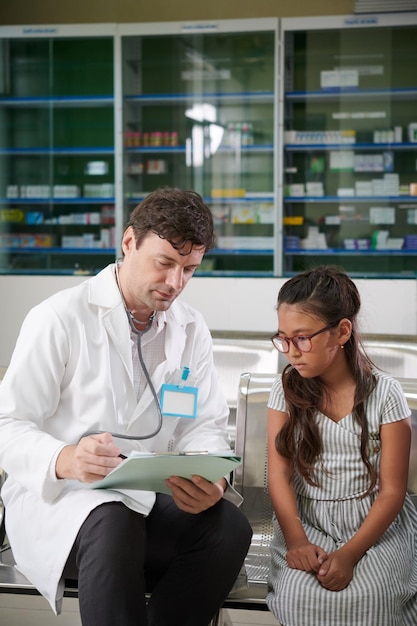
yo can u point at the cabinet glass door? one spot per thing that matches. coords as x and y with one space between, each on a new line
350 149
198 113
56 155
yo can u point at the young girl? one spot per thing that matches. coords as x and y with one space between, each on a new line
344 552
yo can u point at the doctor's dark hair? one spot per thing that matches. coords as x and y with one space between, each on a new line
330 295
177 215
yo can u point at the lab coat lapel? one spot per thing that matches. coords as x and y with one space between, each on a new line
115 324
105 294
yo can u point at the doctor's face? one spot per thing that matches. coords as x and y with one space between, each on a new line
154 274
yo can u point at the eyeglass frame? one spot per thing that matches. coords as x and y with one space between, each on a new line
295 338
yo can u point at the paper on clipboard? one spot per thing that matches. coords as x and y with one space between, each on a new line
148 472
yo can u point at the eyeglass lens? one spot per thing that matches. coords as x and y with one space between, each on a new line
283 343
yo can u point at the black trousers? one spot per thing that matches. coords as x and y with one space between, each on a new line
187 562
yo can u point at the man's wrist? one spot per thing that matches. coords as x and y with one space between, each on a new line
64 462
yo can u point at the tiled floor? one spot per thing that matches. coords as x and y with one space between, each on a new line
18 610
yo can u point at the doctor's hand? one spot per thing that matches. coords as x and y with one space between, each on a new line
197 494
91 459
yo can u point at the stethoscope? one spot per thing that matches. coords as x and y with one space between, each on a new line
139 334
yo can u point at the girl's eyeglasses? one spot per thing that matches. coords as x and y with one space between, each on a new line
303 343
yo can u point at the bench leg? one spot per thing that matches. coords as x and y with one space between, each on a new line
217 619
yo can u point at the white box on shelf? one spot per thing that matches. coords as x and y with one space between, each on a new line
332 220
345 191
243 214
412 132
314 189
245 243
296 190
12 191
381 215
339 78
342 159
265 213
395 243
88 240
412 216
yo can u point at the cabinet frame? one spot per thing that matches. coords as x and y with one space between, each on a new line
222 27
52 104
340 23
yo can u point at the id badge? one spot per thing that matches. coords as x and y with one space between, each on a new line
178 401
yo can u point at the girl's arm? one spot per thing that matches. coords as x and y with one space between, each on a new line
337 569
301 554
393 478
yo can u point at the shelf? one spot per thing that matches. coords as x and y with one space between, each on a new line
336 94
59 251
306 147
159 149
211 200
54 101
352 199
76 151
267 148
233 274
346 252
232 200
28 201
239 252
186 98
46 272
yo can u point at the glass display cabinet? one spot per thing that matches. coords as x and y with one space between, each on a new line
300 134
199 112
349 143
57 209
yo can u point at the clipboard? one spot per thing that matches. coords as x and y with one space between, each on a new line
149 471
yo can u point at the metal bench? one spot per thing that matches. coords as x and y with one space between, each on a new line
394 354
250 587
251 480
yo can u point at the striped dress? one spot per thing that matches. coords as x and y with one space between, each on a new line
383 591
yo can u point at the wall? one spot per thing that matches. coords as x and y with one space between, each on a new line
389 307
78 11
228 304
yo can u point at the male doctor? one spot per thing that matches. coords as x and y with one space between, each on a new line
91 361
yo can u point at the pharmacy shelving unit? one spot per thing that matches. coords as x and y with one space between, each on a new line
57 149
348 137
301 135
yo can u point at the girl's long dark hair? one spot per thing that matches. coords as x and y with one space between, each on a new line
329 294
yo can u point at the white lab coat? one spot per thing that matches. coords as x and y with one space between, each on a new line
71 372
